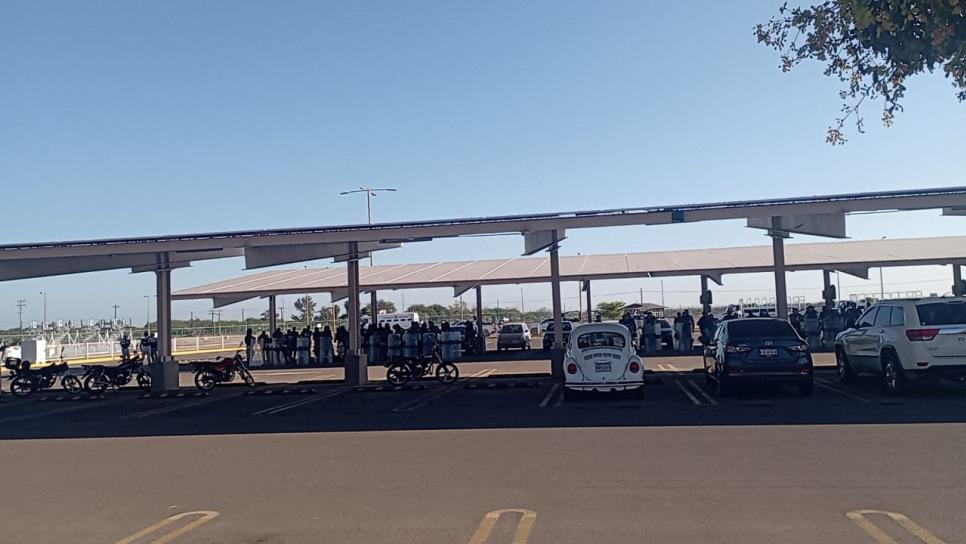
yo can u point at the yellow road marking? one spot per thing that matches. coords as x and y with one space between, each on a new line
520 536
206 516
858 516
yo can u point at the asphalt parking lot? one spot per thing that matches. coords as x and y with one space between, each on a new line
324 462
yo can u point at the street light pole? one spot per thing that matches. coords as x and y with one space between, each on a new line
371 192
43 327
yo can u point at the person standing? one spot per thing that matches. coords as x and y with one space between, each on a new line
707 325
144 345
265 343
687 331
249 346
325 350
125 347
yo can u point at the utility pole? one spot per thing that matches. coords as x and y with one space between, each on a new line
147 320
21 304
662 292
43 326
642 296
115 312
522 310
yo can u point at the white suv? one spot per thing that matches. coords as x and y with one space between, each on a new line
905 340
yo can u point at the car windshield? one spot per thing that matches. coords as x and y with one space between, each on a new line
511 329
567 326
754 329
600 339
942 313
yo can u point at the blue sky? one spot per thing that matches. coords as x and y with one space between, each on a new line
128 118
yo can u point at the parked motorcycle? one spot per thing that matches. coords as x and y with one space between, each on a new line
208 374
97 378
25 380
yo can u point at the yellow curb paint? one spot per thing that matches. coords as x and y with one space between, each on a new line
859 517
206 516
520 536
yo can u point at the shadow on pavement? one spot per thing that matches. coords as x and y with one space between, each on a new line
670 400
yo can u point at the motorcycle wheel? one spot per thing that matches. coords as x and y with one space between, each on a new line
247 376
71 383
447 373
205 380
398 375
95 384
144 381
21 386
123 378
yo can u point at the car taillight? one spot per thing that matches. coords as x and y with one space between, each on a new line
572 368
737 349
634 367
921 335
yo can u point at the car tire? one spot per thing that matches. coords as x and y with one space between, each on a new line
527 347
708 380
806 387
843 367
892 379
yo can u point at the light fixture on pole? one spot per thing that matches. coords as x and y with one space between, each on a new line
371 192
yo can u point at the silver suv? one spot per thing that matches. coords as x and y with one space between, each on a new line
905 340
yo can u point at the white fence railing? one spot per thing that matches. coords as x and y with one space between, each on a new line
88 350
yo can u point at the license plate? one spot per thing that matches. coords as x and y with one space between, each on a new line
602 367
768 352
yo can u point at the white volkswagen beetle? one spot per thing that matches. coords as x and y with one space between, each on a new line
601 357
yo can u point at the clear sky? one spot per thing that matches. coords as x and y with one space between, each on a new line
129 118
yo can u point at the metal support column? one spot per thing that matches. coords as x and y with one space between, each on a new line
958 287
479 320
356 366
272 315
374 307
778 252
827 289
705 300
590 308
164 373
556 352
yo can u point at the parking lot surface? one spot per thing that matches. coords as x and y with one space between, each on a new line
488 459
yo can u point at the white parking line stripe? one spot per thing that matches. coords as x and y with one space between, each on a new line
83 406
688 393
301 402
560 399
176 407
701 392
546 399
672 367
422 400
826 385
483 373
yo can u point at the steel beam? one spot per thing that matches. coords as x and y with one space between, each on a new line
590 308
958 287
705 302
556 353
479 317
164 372
827 288
356 365
778 255
272 317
